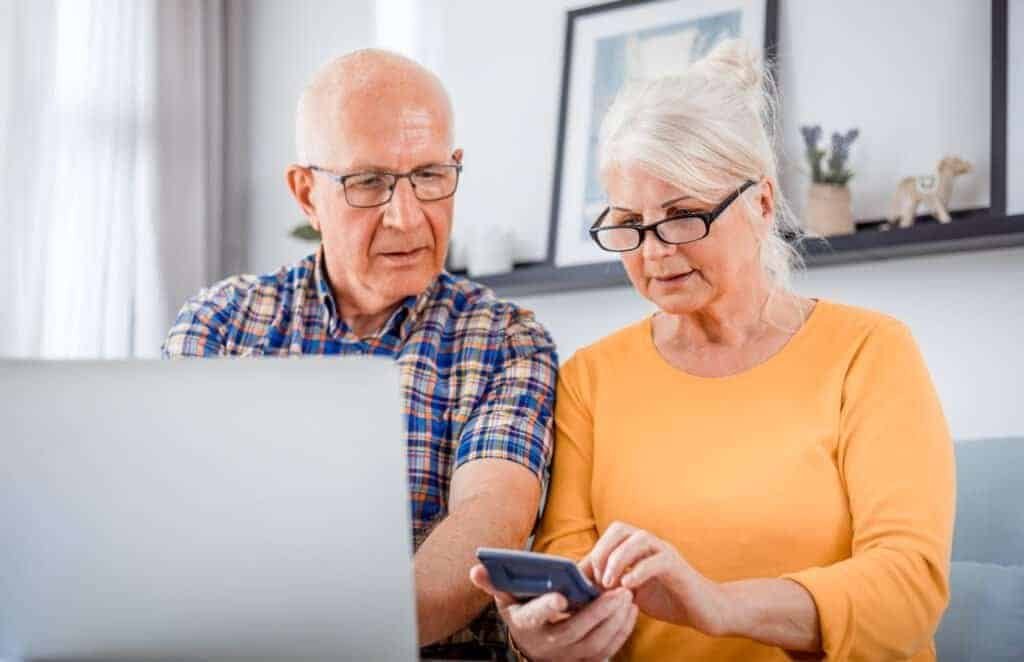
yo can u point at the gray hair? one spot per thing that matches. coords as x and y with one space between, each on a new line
707 131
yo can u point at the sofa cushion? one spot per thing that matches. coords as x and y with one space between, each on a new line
989 518
985 618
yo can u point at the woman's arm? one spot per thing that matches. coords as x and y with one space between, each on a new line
778 612
895 457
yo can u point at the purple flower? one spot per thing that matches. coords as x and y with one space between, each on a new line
840 154
812 134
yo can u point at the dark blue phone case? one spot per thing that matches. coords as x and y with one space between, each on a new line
528 574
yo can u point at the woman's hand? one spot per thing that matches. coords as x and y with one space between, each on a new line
664 585
543 630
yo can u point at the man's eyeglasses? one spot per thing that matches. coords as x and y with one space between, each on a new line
373 189
626 234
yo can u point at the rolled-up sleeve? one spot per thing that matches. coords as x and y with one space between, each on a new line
513 418
896 460
206 319
197 331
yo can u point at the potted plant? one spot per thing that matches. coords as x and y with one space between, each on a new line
305 232
828 211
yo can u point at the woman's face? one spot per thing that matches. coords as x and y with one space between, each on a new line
686 278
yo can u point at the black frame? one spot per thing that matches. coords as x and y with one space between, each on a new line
707 217
975 229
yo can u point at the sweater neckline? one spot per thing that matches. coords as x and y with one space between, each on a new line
792 345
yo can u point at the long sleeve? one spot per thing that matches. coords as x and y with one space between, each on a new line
568 527
895 458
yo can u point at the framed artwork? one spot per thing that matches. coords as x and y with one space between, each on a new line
606 46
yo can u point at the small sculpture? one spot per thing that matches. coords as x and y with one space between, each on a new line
933 190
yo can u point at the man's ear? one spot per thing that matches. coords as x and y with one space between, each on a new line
457 155
300 183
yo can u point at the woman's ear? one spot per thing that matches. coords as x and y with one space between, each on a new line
766 201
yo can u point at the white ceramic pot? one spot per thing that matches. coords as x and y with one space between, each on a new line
828 212
491 252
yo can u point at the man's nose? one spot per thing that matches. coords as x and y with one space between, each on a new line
404 211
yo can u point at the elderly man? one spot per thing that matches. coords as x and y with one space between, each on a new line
376 177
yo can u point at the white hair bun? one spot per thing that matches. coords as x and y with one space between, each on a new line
736 61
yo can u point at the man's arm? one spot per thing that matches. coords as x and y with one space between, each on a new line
503 454
492 503
203 323
198 329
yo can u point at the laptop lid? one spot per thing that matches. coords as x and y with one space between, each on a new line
204 509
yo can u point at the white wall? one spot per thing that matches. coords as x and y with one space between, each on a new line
284 44
504 84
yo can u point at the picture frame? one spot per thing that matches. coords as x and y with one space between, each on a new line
606 45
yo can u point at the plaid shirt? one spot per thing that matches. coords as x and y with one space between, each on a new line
478 373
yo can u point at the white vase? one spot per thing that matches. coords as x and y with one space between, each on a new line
491 252
828 212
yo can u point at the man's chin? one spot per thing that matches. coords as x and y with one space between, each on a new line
402 283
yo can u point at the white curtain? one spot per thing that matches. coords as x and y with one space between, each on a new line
111 171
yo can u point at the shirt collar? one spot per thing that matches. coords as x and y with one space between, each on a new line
323 290
402 320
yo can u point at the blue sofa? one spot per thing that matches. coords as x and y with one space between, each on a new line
985 618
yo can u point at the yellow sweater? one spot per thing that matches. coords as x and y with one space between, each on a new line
830 464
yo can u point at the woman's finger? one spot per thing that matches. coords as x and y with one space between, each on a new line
638 546
610 539
586 567
644 570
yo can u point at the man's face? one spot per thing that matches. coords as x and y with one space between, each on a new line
378 256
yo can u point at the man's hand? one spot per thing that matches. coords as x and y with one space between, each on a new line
543 630
491 503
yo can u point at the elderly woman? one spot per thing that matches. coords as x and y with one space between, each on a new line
758 474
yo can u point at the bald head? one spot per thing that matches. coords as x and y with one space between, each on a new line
368 91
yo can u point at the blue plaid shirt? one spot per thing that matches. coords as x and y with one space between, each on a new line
478 373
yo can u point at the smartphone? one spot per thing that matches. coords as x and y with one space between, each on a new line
527 575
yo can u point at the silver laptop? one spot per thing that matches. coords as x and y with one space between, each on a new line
218 509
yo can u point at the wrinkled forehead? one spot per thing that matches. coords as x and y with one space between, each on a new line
382 119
